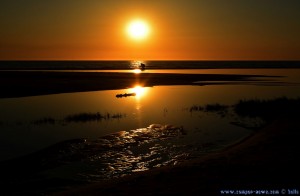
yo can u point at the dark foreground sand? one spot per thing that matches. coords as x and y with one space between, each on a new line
30 83
266 160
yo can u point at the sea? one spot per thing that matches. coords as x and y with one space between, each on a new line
125 65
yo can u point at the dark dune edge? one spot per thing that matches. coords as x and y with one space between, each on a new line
266 160
31 83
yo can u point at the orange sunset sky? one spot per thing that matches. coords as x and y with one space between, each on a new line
178 30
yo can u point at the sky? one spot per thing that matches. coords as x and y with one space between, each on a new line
179 30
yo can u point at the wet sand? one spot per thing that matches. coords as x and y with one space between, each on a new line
31 83
265 161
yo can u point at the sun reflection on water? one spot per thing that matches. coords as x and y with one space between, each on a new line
137 71
139 91
137 66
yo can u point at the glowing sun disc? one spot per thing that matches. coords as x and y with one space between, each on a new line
138 29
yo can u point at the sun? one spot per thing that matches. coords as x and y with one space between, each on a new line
138 29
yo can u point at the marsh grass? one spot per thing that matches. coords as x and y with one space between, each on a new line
254 108
268 109
46 120
209 108
217 108
196 108
86 117
80 117
253 113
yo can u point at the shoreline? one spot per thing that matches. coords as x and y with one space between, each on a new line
265 160
22 84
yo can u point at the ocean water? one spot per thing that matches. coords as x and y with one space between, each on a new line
125 65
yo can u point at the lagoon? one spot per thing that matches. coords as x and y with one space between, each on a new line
165 120
24 129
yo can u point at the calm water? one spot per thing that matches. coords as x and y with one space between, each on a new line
126 65
25 130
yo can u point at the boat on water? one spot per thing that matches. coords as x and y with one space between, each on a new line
142 66
125 95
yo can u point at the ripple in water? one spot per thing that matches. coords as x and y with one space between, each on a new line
124 152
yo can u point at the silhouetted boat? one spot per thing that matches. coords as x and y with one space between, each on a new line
125 95
142 66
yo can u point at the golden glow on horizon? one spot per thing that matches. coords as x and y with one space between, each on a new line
138 29
137 71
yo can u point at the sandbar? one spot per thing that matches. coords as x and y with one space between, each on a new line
33 83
